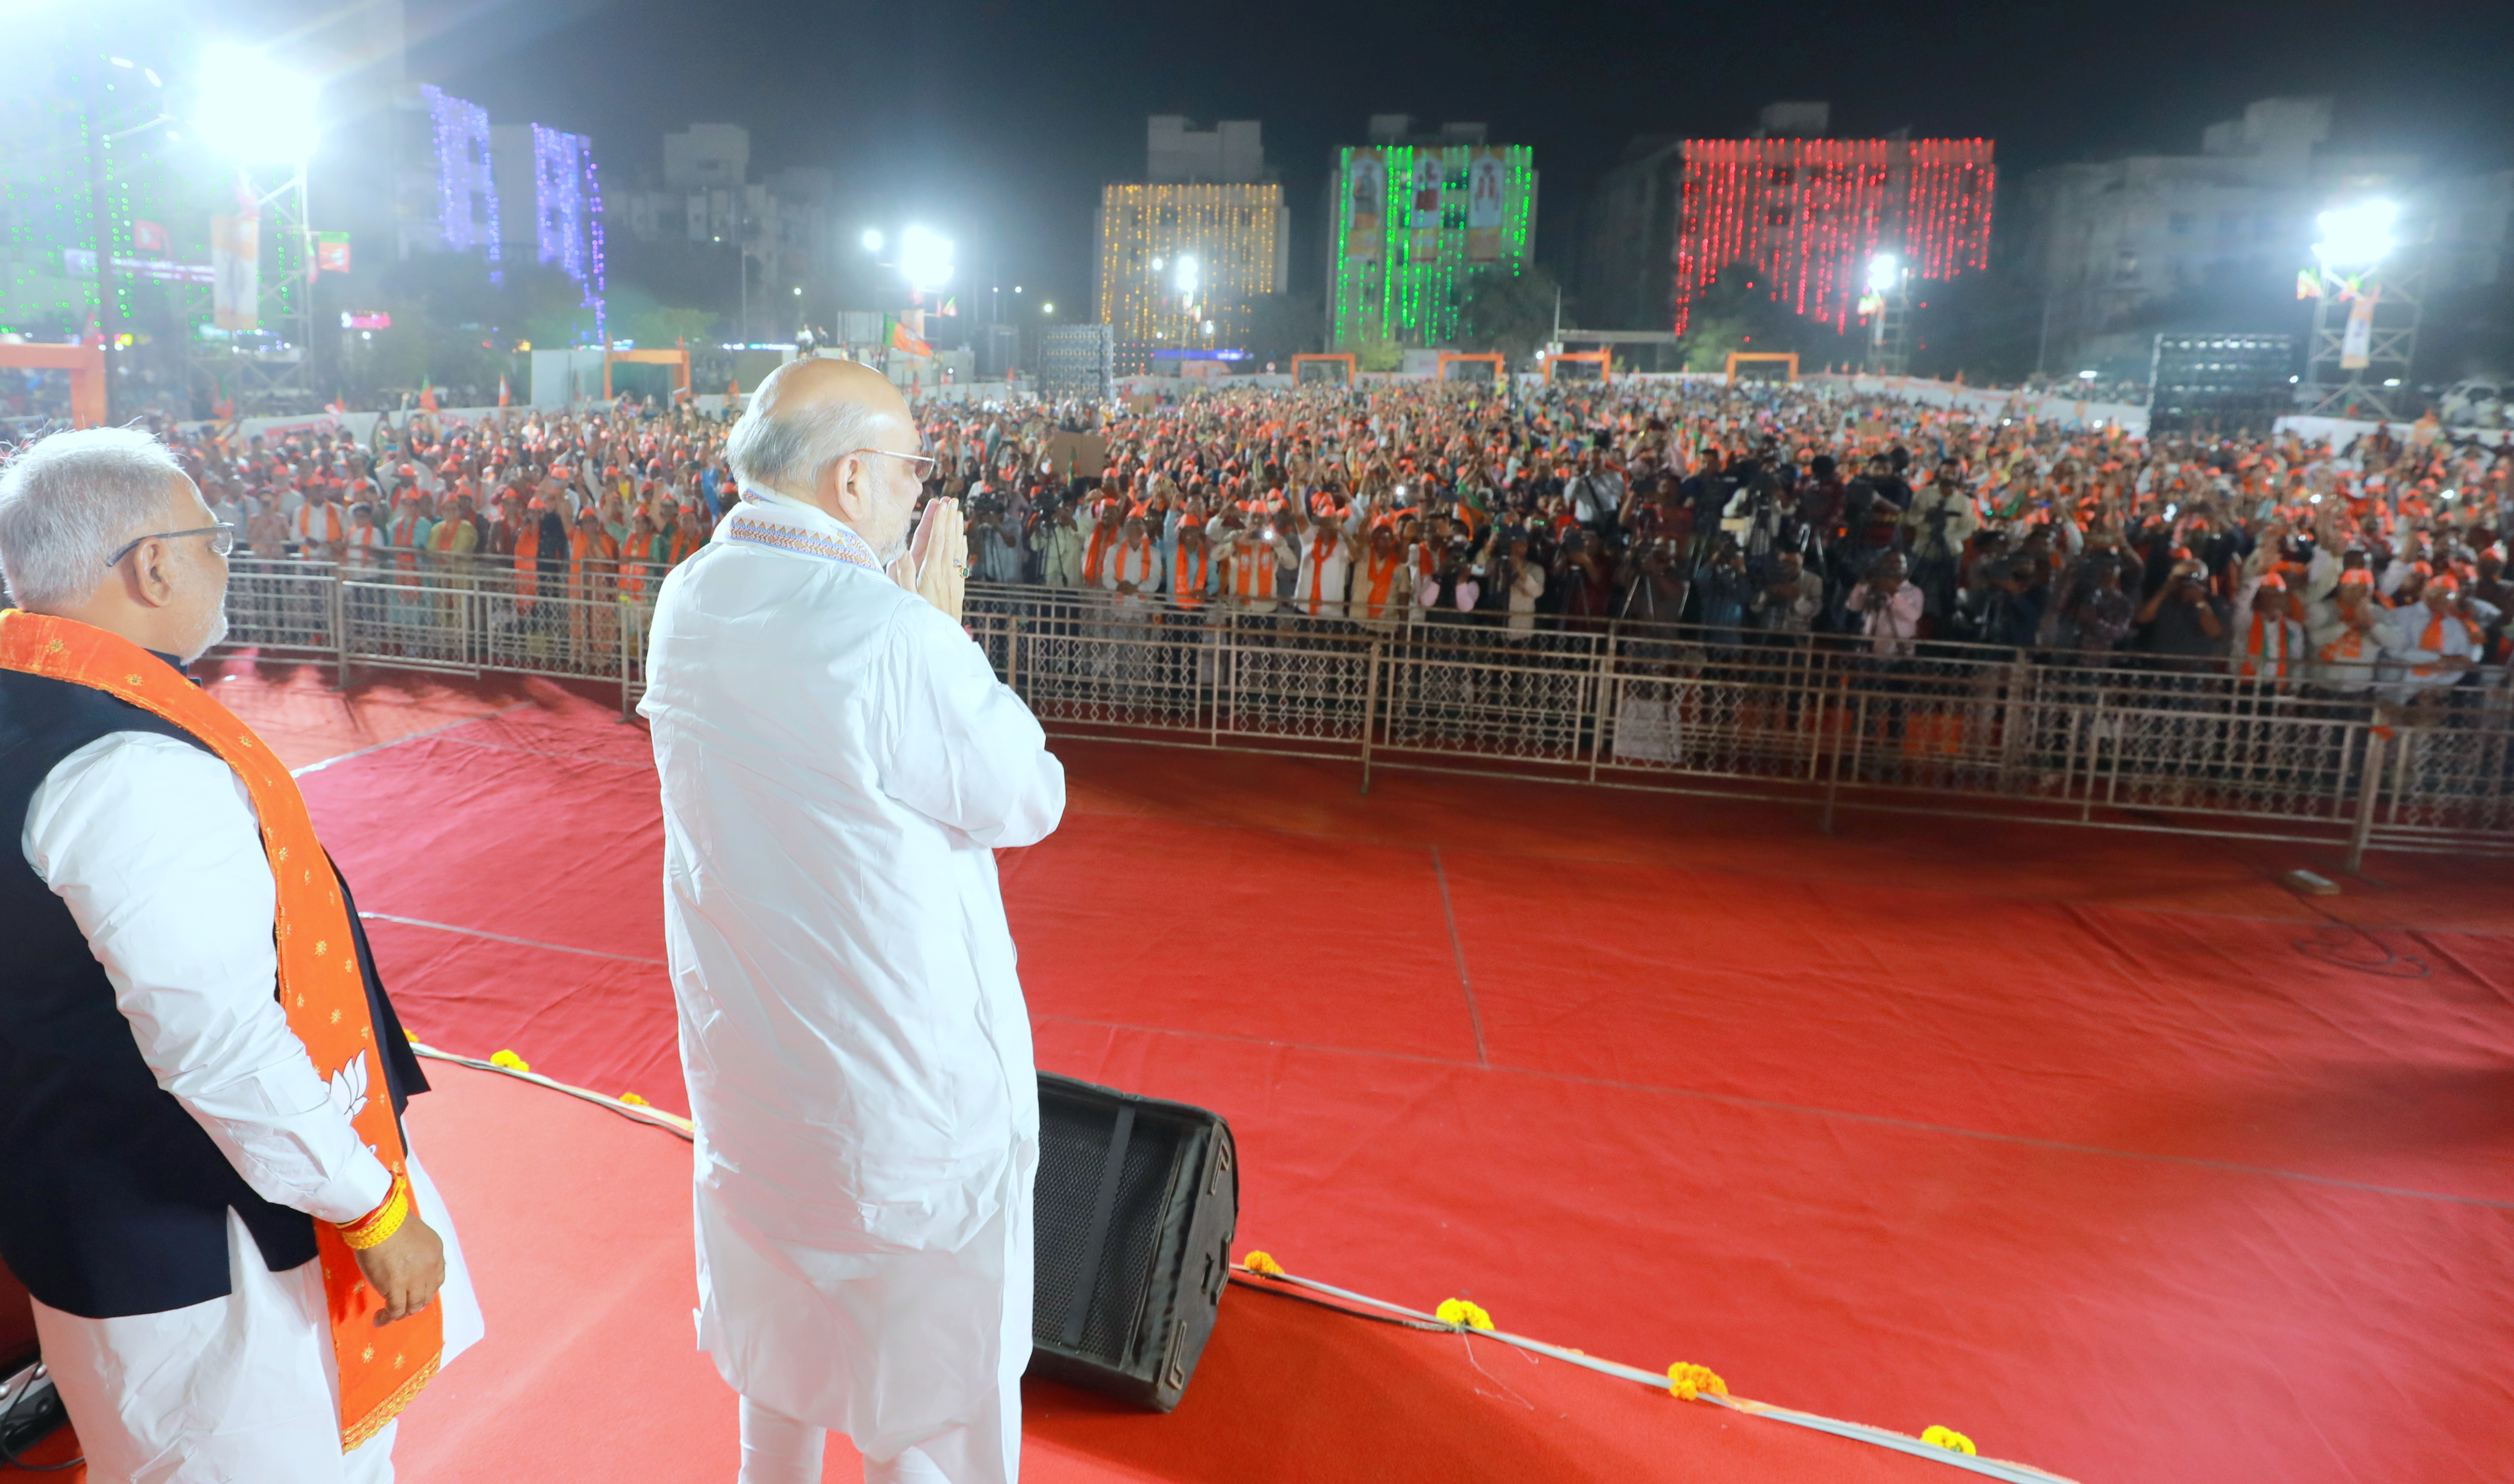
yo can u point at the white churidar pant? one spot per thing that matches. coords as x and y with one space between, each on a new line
236 1390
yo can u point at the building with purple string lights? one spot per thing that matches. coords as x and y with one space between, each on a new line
510 192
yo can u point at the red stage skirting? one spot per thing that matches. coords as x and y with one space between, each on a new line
2101 1148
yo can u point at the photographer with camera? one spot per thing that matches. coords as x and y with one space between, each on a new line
2183 619
995 554
1888 609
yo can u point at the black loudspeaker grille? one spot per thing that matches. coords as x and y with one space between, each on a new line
1071 1158
1131 1253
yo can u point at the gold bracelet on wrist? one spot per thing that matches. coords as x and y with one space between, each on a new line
376 1225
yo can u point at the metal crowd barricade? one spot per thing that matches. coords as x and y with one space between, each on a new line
281 606
2123 742
447 613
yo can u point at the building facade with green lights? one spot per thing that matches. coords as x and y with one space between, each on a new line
1410 218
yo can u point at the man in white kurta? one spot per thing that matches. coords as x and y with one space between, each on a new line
152 846
838 765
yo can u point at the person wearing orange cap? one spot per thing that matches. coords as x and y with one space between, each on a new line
1322 570
1383 591
2350 633
593 566
2270 645
2433 643
318 527
1251 552
644 558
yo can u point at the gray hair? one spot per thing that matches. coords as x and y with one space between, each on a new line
785 450
68 501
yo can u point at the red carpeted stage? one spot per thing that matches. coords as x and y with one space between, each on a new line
2101 1148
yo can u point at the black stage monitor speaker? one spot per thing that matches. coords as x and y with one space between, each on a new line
1137 1203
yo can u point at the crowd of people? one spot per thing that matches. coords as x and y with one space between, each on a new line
1758 514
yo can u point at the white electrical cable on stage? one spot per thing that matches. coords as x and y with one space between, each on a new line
1883 1437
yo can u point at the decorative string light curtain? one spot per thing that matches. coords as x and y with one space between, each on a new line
568 211
1808 214
1227 232
466 187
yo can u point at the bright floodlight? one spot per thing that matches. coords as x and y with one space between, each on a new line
1186 275
924 258
871 239
1047 308
2356 235
1885 273
254 110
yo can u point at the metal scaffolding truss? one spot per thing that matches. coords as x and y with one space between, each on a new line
2394 295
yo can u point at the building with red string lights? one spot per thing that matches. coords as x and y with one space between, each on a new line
1806 213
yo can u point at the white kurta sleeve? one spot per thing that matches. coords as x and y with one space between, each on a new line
960 746
153 845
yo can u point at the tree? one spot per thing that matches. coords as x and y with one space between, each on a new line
1511 309
637 317
1738 312
454 327
1373 349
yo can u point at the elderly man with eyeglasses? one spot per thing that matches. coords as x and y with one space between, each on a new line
239 1270
839 764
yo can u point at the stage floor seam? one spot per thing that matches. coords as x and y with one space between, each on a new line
2266 878
435 730
1458 946
526 943
1767 1104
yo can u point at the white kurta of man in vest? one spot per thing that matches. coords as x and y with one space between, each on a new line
838 765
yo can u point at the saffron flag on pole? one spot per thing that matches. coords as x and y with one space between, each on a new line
502 391
426 395
901 340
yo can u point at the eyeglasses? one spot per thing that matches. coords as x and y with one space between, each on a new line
222 541
923 459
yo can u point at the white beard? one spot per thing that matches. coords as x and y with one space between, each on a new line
214 631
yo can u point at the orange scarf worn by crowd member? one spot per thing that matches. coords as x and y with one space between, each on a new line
1093 552
331 530
1381 576
2433 640
405 542
527 553
380 1370
2265 650
1187 583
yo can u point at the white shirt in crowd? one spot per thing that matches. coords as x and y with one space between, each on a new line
1891 621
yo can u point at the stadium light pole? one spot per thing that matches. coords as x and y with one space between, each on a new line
924 259
101 211
2367 284
1888 300
255 111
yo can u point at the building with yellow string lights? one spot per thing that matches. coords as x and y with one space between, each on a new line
1186 255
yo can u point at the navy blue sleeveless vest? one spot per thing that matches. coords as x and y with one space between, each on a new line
113 1200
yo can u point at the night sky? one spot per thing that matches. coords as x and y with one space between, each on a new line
998 121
